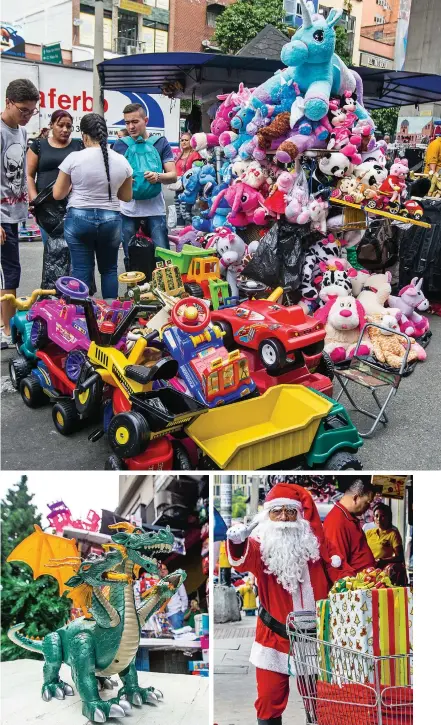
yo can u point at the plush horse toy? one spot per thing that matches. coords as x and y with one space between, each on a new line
410 301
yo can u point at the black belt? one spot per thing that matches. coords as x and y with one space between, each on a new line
273 624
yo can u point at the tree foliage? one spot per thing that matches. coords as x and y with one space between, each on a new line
341 44
239 507
241 22
36 603
385 120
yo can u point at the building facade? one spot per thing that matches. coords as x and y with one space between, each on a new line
378 33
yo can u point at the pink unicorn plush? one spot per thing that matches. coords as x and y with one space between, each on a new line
410 301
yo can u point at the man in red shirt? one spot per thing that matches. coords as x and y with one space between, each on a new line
343 529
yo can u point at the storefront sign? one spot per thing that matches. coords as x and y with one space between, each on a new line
51 53
11 43
376 61
392 486
135 7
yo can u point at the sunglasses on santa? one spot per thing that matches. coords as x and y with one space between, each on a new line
289 511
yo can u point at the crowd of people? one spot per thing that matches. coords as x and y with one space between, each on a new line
295 559
109 195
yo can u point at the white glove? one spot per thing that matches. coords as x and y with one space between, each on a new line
238 533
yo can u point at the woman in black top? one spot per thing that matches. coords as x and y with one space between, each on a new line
45 155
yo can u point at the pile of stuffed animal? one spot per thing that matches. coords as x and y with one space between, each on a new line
300 139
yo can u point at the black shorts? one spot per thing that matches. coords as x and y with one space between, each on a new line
10 258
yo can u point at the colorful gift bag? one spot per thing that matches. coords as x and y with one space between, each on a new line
376 622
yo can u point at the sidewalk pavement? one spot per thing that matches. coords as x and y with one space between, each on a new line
185 699
235 680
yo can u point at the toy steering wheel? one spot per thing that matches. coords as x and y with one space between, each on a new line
131 278
190 315
73 287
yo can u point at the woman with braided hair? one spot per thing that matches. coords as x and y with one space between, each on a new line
96 179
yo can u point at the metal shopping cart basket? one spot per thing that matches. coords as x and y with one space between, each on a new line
340 686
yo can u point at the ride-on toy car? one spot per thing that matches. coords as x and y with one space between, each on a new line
213 375
149 414
22 365
279 334
289 426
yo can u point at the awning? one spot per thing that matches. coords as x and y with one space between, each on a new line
208 74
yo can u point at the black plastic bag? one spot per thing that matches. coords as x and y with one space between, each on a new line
56 261
49 214
141 255
420 251
278 261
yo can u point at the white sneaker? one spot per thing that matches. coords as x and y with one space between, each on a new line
6 340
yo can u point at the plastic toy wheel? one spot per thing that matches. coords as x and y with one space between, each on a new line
39 336
19 368
393 207
115 463
343 461
129 434
272 354
371 204
326 366
190 315
87 403
31 392
74 362
181 459
72 287
65 417
131 277
228 338
194 290
417 216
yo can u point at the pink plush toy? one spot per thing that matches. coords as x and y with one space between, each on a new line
224 115
394 187
244 202
342 139
277 201
317 213
410 302
343 318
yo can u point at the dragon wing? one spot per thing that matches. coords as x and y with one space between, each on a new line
39 549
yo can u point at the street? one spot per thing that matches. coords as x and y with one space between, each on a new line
235 682
410 441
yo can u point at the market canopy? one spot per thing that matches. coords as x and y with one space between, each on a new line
207 74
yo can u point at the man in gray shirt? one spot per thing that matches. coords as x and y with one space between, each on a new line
21 101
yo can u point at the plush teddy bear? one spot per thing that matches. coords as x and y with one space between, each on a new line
390 348
375 293
343 318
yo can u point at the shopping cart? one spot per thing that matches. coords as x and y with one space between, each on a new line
340 686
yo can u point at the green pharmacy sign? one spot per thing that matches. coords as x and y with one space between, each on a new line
52 53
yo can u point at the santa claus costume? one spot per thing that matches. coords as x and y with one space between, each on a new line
289 559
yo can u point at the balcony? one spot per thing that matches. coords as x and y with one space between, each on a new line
128 46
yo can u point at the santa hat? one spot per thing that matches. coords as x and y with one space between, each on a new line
290 494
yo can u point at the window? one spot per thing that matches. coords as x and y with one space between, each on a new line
213 12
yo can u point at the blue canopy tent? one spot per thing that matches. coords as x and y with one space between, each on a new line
204 75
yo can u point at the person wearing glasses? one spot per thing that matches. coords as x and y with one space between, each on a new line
45 155
21 104
284 547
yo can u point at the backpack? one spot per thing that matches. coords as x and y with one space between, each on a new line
143 156
378 249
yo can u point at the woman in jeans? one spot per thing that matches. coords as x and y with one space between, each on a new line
97 179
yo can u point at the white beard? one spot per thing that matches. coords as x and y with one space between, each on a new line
286 548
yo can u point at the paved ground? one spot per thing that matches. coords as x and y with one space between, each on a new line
185 699
410 442
234 678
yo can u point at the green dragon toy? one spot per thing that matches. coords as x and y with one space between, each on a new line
106 643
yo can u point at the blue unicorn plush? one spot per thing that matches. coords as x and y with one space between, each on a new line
191 181
314 67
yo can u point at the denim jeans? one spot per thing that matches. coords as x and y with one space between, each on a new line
90 233
154 227
176 620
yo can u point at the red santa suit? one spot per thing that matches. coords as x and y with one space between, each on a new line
270 650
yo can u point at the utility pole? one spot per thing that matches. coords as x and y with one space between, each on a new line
226 488
98 57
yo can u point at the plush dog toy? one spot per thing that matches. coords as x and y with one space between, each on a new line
343 318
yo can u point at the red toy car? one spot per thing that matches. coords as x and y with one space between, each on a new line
279 334
413 209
